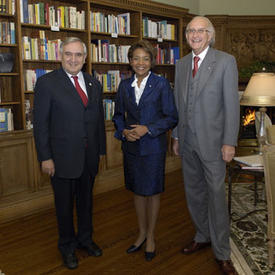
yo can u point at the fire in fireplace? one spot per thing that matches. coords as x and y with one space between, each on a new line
247 127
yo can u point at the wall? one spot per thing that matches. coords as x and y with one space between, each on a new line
237 7
192 5
232 7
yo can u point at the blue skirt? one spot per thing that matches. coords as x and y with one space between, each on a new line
144 175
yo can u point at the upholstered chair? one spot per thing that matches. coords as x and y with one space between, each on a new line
270 132
269 171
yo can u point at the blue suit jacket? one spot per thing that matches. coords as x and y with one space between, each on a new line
156 110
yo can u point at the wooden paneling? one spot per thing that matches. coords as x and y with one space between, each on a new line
16 164
248 38
114 154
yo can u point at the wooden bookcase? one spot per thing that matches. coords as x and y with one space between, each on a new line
23 189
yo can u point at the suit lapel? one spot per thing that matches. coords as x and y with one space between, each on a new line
89 87
185 76
206 69
148 88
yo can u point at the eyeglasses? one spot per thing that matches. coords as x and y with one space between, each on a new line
199 31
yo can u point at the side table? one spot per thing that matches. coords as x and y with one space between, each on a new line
234 170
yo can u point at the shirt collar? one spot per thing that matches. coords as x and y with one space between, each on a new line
201 55
79 75
143 82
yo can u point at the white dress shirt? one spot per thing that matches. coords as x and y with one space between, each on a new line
81 81
201 56
139 90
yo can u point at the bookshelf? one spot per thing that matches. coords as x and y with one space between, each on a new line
23 189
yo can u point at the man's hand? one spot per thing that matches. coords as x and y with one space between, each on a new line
228 152
176 147
48 167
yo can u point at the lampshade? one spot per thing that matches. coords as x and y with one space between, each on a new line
260 90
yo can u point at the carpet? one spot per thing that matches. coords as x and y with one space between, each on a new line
249 232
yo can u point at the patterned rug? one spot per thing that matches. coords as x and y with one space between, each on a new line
248 231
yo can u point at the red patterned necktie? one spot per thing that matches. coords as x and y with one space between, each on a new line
80 91
196 67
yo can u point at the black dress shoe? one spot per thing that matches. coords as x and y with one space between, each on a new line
92 248
70 260
226 267
134 248
149 256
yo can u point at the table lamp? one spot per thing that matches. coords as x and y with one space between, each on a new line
260 91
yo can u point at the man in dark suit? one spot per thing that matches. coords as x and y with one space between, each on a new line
206 95
70 137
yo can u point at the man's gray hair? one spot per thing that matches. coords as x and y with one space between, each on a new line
210 28
69 40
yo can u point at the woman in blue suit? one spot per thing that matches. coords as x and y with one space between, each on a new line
144 112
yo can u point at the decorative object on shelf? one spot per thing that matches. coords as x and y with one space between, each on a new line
260 91
6 62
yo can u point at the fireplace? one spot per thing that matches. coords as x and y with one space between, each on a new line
247 142
247 123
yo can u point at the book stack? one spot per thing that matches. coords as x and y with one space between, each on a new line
159 29
6 120
7 6
167 55
44 14
109 108
103 51
7 32
110 23
252 162
30 77
111 79
40 48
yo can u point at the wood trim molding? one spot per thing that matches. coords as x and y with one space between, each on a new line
145 6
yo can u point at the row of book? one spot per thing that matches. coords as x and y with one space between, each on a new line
111 79
168 55
45 14
109 108
160 29
7 6
7 33
103 51
6 120
30 77
110 23
40 48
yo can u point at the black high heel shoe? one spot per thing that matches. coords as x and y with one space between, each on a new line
133 248
149 256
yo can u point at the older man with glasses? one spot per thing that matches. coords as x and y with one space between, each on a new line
206 95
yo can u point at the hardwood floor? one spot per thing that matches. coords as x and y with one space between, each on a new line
29 245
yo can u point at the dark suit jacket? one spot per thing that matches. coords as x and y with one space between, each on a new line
156 110
63 128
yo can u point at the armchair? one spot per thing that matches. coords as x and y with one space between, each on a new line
269 171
